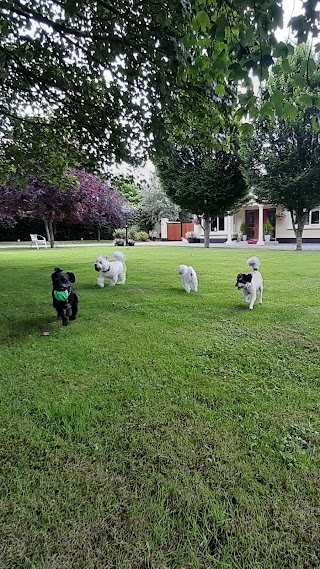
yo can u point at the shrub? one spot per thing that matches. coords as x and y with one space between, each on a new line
243 228
119 233
142 236
132 231
268 227
190 235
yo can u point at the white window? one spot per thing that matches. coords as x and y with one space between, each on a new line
217 224
313 219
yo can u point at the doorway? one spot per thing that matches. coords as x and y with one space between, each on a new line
252 221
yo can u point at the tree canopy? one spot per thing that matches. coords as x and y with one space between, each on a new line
283 156
155 204
109 71
87 200
208 184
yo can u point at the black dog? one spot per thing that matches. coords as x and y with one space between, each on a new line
65 299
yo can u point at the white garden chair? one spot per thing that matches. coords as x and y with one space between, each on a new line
38 240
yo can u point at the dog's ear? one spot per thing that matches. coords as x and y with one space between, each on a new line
55 273
72 277
249 278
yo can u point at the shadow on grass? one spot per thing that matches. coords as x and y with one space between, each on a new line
18 331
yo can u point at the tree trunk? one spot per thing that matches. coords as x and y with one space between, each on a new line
299 232
99 233
207 230
298 222
50 224
45 221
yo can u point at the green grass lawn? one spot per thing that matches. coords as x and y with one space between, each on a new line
160 430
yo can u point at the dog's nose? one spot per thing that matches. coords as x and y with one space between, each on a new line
96 268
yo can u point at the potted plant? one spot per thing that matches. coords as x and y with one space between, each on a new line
243 231
131 242
281 215
268 228
192 237
119 242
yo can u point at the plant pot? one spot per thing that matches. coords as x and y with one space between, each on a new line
244 237
267 238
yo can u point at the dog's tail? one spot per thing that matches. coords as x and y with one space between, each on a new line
118 256
254 263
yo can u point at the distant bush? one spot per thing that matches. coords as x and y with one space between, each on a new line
142 236
119 233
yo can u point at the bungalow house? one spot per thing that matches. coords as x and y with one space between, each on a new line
254 215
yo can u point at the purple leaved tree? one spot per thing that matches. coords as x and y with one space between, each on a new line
84 199
100 205
40 200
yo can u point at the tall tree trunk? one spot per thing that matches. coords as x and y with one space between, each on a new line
298 226
299 232
99 233
207 230
46 225
50 224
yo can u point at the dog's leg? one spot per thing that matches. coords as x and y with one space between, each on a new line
187 287
113 281
100 282
253 299
63 316
245 296
261 290
121 278
74 310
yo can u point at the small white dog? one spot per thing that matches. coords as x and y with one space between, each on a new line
114 270
189 278
251 283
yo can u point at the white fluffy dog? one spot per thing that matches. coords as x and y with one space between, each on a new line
189 278
251 283
114 270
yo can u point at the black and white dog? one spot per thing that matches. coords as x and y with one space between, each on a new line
65 299
251 283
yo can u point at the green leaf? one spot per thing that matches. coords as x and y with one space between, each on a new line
298 80
203 20
246 129
305 100
220 90
289 111
276 98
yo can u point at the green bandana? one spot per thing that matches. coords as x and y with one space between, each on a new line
62 296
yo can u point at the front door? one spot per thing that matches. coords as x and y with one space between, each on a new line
252 221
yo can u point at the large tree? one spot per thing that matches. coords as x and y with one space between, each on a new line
283 156
109 70
208 183
40 200
100 204
155 204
